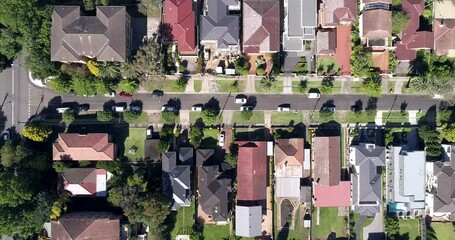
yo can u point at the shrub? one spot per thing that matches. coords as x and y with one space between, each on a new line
68 116
60 166
130 116
93 67
182 68
105 116
245 72
260 71
37 131
246 115
327 85
169 117
84 164
181 84
302 87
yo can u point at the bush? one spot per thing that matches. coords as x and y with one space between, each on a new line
105 116
182 68
181 84
68 116
327 85
196 135
93 67
372 86
209 116
399 21
128 86
301 67
246 115
84 164
245 72
60 166
302 87
260 71
169 117
113 167
37 131
130 116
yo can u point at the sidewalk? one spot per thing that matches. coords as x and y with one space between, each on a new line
37 82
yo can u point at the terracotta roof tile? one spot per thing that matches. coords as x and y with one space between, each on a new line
327 160
180 16
377 24
92 146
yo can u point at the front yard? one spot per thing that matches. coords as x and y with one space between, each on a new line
210 139
165 86
194 116
286 118
395 117
277 89
231 85
361 117
257 118
135 140
329 222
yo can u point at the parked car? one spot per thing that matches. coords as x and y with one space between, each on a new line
6 135
168 108
284 108
134 108
314 95
246 108
149 132
328 109
197 108
221 139
83 107
111 94
240 99
157 93
62 109
124 94
72 92
117 108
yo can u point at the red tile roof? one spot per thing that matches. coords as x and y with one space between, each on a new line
78 147
444 36
84 177
411 39
333 196
261 26
180 16
337 12
343 49
327 160
252 171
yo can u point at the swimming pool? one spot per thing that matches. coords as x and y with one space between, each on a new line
396 207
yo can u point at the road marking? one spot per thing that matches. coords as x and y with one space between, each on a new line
29 99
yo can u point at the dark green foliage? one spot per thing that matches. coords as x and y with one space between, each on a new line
130 116
231 159
196 135
241 65
393 62
60 166
166 135
246 115
181 84
60 84
68 116
432 140
392 227
209 116
113 167
104 116
169 117
327 85
361 61
372 85
301 67
399 21
302 87
89 5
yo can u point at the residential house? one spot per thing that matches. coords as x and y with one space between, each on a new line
289 158
83 147
406 181
251 187
85 181
334 39
179 25
366 182
86 225
327 173
214 187
261 26
444 27
176 177
411 39
440 186
220 25
76 37
300 22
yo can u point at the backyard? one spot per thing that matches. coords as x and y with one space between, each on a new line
212 231
286 118
183 220
409 228
365 223
329 222
256 118
135 140
299 231
443 230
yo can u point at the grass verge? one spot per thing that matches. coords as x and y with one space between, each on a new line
231 85
361 117
311 85
395 117
165 86
278 87
197 85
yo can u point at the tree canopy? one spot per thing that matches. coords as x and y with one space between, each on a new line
37 131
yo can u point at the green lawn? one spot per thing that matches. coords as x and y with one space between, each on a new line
142 119
231 85
183 220
278 88
165 86
245 134
285 118
329 221
361 117
315 118
409 226
316 85
443 230
136 137
395 117
197 85
390 86
299 232
327 65
407 90
210 138
356 87
257 118
364 224
196 115
212 231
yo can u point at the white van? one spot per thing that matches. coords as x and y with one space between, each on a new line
63 109
314 95
118 108
284 109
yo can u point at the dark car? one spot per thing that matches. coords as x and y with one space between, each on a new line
83 107
157 93
135 108
124 94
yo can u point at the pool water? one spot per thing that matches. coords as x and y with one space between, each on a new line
396 207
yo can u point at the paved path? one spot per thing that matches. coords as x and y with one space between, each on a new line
205 85
385 87
378 118
377 226
227 117
190 86
250 84
268 119
398 87
413 116
287 85
357 226
346 85
185 117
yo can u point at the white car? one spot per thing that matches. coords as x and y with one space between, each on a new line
221 140
196 108
284 109
314 95
168 108
63 109
111 94
246 108
149 132
240 100
118 108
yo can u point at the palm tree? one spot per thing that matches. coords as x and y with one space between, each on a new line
128 70
268 84
420 84
109 70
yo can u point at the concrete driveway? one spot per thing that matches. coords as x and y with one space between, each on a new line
375 231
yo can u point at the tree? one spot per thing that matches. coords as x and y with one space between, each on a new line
392 227
128 70
89 5
361 61
241 64
393 62
60 166
131 116
389 137
92 66
420 84
109 70
431 139
302 87
327 85
37 131
372 85
231 159
246 115
156 209
103 85
209 116
196 135
59 207
83 85
113 167
162 146
448 132
169 116
60 84
268 84
181 84
105 116
14 190
9 47
399 21
148 60
129 86
68 116
8 154
147 7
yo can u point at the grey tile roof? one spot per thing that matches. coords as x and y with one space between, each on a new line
105 36
248 221
444 197
176 179
213 188
220 26
366 183
301 24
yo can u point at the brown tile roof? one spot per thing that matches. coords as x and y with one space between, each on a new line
327 160
86 225
77 147
252 170
381 60
411 39
261 26
377 1
444 36
336 12
326 42
289 152
85 177
377 24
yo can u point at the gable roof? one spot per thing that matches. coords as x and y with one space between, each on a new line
252 170
444 9
248 221
324 195
336 12
180 16
79 147
444 197
326 42
377 23
327 160
103 36
176 180
86 225
213 188
411 39
220 26
444 37
85 181
289 157
261 26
